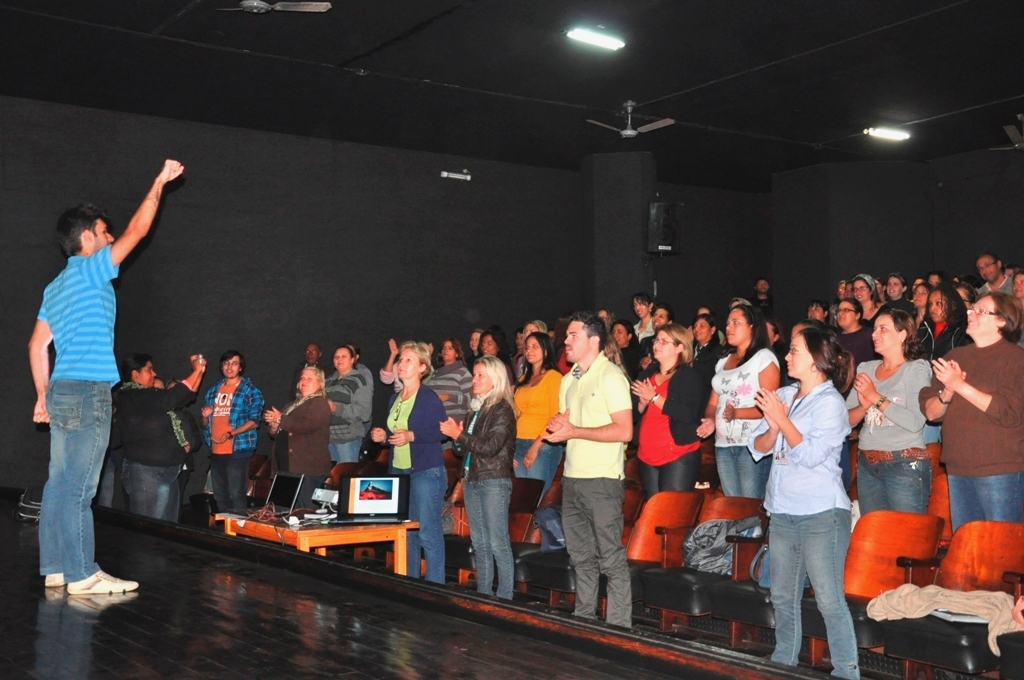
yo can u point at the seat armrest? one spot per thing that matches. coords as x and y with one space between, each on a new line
1017 579
911 563
672 544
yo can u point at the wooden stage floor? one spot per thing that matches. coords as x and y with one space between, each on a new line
202 612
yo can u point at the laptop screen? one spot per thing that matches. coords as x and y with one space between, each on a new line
283 490
386 496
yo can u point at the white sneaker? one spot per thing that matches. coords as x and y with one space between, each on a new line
101 583
55 580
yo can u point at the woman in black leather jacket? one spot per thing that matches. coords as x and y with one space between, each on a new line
945 325
488 441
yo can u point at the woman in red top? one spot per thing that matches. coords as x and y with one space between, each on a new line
670 394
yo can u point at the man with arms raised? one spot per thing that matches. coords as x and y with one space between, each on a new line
77 316
595 419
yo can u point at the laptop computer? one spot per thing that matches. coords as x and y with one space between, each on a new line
380 499
284 492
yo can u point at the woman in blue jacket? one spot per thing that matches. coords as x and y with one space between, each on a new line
413 429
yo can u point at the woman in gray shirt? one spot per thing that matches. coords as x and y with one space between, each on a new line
893 467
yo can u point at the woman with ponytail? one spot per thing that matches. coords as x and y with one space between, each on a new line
803 429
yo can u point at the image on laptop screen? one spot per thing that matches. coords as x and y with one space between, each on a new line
373 496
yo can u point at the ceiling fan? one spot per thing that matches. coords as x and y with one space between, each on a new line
629 132
1014 134
260 7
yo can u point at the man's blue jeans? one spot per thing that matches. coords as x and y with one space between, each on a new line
544 466
426 500
230 477
815 546
487 507
347 452
996 497
739 474
902 484
80 414
152 490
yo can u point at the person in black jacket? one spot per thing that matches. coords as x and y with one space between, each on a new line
625 338
671 396
488 442
707 349
150 431
946 324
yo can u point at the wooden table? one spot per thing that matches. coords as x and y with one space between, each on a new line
320 537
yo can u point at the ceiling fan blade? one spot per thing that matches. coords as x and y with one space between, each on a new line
1014 134
664 122
1004 148
594 122
301 6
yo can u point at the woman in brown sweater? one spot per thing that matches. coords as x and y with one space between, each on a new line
307 420
977 393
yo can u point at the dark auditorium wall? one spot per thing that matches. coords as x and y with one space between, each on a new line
834 221
271 242
726 243
978 201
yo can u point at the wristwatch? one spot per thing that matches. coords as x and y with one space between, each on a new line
939 397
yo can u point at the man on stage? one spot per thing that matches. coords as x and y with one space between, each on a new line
77 316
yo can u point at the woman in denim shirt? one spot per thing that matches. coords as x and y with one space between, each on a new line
803 429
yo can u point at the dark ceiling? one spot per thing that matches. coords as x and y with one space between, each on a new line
757 86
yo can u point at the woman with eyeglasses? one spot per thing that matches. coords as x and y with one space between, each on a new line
976 392
670 394
749 365
893 467
946 325
413 429
865 291
854 337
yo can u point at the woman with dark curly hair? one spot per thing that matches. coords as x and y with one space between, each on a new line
946 324
893 470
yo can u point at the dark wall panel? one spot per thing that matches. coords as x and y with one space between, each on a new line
273 241
979 205
726 243
880 220
800 240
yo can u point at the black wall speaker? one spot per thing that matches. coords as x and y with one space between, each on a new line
664 228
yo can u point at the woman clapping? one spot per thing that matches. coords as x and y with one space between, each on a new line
803 429
488 441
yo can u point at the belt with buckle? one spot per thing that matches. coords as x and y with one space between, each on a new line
875 457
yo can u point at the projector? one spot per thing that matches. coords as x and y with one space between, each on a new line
325 496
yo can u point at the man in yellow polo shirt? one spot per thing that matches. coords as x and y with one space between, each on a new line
595 419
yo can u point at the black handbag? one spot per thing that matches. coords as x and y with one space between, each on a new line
369 450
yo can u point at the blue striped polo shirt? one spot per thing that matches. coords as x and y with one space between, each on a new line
79 306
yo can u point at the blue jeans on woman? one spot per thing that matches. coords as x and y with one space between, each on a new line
544 466
347 452
152 490
80 413
902 484
739 474
426 500
487 508
812 546
995 498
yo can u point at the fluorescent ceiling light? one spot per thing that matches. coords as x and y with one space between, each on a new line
888 133
605 41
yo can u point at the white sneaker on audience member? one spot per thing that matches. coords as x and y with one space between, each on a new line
55 580
101 583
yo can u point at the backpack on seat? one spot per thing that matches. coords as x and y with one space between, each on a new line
705 548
